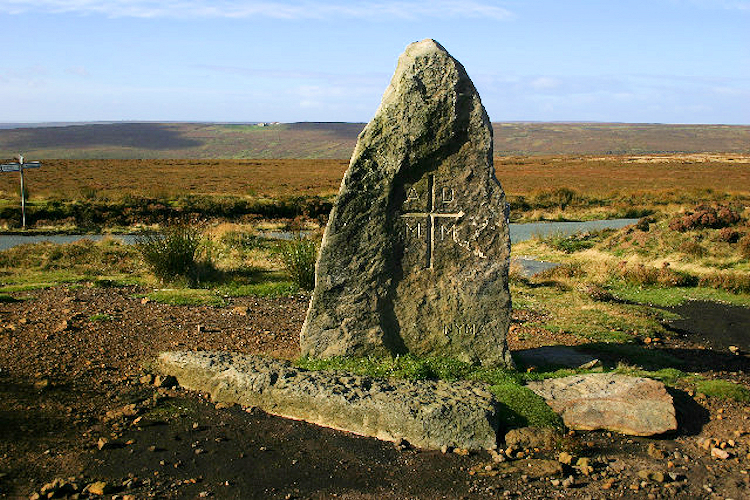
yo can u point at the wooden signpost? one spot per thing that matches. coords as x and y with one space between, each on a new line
20 166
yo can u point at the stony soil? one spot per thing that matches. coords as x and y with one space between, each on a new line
76 403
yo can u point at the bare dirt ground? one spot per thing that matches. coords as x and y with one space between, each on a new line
74 404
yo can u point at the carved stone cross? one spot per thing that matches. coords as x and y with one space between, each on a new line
430 215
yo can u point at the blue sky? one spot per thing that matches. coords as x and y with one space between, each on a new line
666 61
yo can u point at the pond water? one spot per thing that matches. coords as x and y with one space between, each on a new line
11 240
518 232
522 232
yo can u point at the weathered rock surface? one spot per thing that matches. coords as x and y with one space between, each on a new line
427 414
416 253
629 405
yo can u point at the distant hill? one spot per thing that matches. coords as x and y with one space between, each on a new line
124 140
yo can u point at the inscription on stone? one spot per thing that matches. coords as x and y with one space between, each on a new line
451 330
430 217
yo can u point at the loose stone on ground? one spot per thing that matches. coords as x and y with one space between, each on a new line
428 414
630 405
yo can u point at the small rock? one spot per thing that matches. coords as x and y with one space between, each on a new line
497 457
221 406
42 384
568 482
99 488
444 449
565 458
104 443
145 300
735 350
719 453
674 476
461 451
654 452
606 485
147 379
401 444
240 310
584 466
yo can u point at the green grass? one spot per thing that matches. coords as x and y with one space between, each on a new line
668 297
187 297
520 407
298 256
571 311
101 317
270 289
25 287
723 389
246 265
669 376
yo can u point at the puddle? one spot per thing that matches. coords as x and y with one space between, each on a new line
528 267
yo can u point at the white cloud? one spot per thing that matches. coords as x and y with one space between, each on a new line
278 9
78 71
545 82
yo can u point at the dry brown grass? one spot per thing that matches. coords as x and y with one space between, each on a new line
77 179
603 176
616 176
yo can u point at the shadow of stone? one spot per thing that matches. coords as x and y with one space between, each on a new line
713 323
691 417
697 360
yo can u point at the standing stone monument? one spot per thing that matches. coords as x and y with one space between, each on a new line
416 253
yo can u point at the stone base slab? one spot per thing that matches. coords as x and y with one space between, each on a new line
428 414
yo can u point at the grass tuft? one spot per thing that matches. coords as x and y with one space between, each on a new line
298 256
186 297
172 253
101 317
723 389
